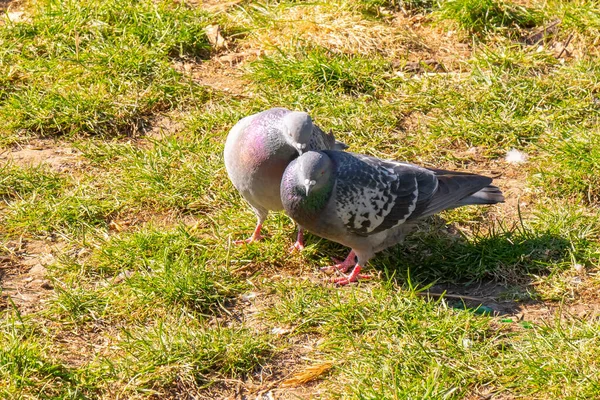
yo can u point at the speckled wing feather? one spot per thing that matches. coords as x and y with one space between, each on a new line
373 195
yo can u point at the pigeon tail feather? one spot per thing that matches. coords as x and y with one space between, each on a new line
488 195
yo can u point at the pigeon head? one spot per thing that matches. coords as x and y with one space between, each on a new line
314 171
297 128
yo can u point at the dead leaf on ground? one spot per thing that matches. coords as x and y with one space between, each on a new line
307 375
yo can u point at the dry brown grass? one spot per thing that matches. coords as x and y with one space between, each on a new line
346 31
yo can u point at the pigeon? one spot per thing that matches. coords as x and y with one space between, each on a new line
257 151
370 204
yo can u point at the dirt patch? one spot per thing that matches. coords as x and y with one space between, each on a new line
130 221
221 73
337 29
269 381
214 6
429 43
78 345
59 157
12 5
24 274
166 125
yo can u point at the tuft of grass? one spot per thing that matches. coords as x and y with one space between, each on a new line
95 68
64 208
154 268
26 370
580 16
572 166
373 7
319 69
175 352
487 16
171 173
18 182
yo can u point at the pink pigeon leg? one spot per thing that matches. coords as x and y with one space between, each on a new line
342 266
354 276
256 236
299 245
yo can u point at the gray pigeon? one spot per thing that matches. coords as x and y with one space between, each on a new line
259 148
369 204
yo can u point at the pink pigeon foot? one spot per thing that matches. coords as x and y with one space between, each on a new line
299 245
342 266
354 276
256 236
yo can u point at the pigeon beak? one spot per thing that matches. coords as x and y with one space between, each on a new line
307 185
300 147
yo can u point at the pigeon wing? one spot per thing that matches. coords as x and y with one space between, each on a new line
373 195
324 141
451 189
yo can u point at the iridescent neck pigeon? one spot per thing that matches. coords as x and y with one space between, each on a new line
259 148
369 204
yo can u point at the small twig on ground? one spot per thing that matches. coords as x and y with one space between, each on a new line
565 46
540 34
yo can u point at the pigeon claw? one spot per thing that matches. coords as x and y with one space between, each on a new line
298 246
256 236
354 276
341 266
251 239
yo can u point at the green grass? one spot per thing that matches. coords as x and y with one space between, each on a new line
96 68
486 16
26 369
319 69
41 202
389 343
152 300
578 155
17 182
188 353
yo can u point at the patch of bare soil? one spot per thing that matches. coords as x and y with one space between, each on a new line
11 12
409 40
166 124
214 6
77 346
8 4
59 157
428 47
23 273
221 73
275 380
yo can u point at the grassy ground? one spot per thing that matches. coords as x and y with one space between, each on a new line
119 277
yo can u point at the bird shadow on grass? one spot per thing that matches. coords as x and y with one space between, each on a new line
493 268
